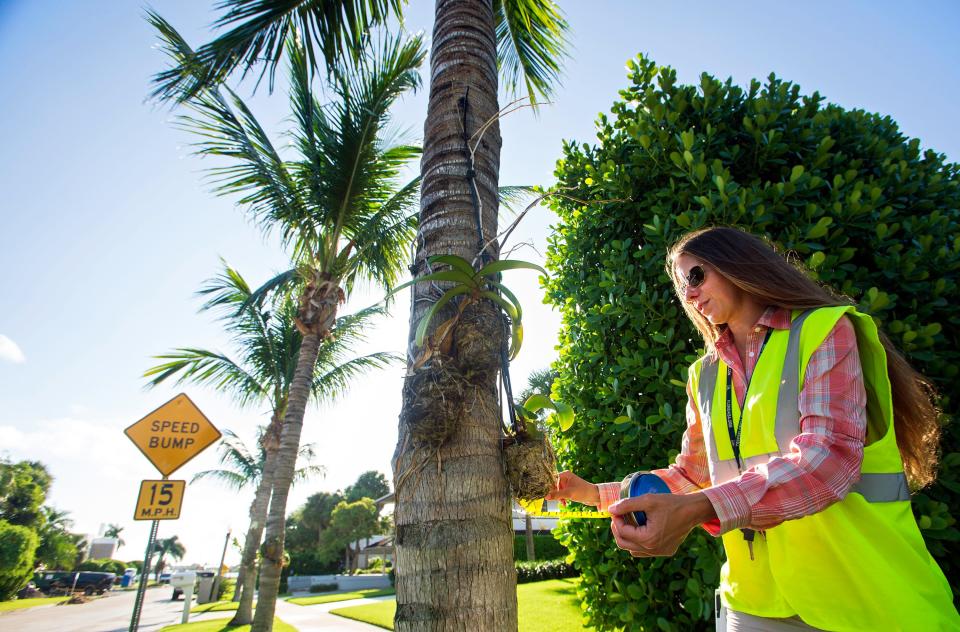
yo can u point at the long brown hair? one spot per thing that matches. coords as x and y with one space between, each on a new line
757 269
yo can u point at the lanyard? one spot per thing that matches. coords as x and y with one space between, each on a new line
735 434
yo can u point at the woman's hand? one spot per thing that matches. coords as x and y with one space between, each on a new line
670 517
569 486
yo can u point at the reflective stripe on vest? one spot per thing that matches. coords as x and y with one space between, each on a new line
875 488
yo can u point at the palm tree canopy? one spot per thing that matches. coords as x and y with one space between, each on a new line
171 546
532 41
268 341
258 30
244 467
339 202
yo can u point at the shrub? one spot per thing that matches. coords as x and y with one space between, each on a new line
104 565
17 545
226 588
863 206
545 546
539 571
311 563
319 588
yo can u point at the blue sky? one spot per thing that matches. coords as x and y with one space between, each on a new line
108 227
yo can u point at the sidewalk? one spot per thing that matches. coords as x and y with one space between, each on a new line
310 618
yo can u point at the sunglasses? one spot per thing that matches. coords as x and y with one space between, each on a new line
695 277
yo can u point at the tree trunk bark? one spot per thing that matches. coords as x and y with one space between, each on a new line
251 545
271 561
454 537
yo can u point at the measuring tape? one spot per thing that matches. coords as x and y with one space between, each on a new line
535 508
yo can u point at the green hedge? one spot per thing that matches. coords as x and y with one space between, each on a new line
104 565
869 211
545 546
541 571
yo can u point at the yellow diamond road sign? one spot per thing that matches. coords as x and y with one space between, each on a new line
173 434
159 500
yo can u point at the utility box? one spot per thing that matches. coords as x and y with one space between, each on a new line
205 586
128 578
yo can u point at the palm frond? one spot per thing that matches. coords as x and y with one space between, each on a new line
362 175
380 253
259 29
258 174
515 198
347 332
531 44
308 471
207 368
232 480
331 384
283 283
234 453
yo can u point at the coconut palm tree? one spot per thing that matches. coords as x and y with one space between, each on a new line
267 339
338 204
171 546
458 215
527 40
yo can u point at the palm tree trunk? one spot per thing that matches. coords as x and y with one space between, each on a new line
271 561
238 592
454 537
258 518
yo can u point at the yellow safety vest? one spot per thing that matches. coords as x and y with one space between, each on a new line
861 563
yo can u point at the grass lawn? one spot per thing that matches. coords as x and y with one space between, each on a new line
217 606
218 625
549 606
20 604
341 596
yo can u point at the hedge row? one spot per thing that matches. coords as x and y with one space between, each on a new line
540 571
545 547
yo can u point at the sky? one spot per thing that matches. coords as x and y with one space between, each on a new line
108 226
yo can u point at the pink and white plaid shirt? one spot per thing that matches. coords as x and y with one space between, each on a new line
824 459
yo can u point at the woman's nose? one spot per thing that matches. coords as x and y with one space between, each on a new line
689 293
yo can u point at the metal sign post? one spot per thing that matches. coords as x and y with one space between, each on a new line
144 574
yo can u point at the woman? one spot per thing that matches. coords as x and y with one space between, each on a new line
802 467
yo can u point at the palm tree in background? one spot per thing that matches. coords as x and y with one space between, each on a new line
167 546
113 531
526 39
266 337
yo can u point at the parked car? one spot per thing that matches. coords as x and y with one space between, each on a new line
164 578
62 582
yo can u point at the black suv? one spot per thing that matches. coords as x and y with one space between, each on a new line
61 582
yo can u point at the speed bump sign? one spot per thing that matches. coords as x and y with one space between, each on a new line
173 434
159 500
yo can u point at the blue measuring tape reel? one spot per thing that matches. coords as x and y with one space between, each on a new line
638 485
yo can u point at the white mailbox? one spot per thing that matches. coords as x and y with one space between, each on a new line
183 579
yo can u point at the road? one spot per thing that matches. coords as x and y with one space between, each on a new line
110 613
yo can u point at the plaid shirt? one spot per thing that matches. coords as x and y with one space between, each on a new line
824 459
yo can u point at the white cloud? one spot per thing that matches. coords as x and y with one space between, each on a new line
10 351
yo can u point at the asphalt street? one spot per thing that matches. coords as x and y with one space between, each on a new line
110 613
